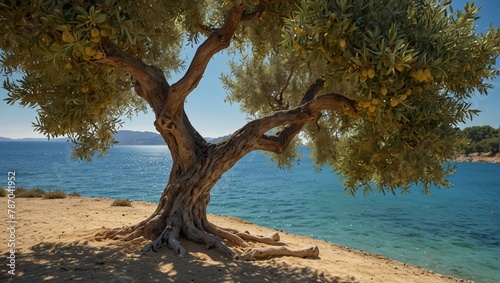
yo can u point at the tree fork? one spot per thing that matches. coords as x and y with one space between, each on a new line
197 165
182 207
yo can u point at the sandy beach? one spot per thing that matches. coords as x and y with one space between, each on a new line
55 240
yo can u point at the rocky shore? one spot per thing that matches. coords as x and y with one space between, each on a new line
475 157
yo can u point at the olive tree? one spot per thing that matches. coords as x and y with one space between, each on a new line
375 88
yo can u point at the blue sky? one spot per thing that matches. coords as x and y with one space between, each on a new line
213 117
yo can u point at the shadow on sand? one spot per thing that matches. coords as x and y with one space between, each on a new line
83 262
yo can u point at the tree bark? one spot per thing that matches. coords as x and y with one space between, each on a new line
198 165
181 212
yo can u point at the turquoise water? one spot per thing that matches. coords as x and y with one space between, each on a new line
454 231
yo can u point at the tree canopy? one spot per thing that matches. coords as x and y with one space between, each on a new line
408 67
481 139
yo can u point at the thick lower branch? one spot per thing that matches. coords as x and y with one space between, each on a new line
277 143
151 83
253 134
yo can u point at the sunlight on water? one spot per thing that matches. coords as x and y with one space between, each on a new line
454 232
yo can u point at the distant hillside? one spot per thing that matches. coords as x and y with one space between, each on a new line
126 137
216 140
33 139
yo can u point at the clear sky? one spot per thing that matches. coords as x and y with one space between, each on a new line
212 117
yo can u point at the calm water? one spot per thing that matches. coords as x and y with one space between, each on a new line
454 232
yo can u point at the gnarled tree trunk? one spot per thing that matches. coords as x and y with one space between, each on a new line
198 165
182 207
182 212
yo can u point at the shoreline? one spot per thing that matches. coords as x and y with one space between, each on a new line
55 240
474 157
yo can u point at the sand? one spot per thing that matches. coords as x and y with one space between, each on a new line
55 241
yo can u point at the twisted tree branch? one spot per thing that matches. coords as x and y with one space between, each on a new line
253 135
278 142
283 138
218 40
151 83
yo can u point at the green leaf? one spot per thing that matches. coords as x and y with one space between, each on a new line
101 18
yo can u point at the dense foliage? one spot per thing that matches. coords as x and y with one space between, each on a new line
481 139
410 66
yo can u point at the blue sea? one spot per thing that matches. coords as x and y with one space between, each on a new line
453 231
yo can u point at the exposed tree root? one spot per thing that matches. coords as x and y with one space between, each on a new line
270 240
212 237
263 253
168 236
130 232
228 234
